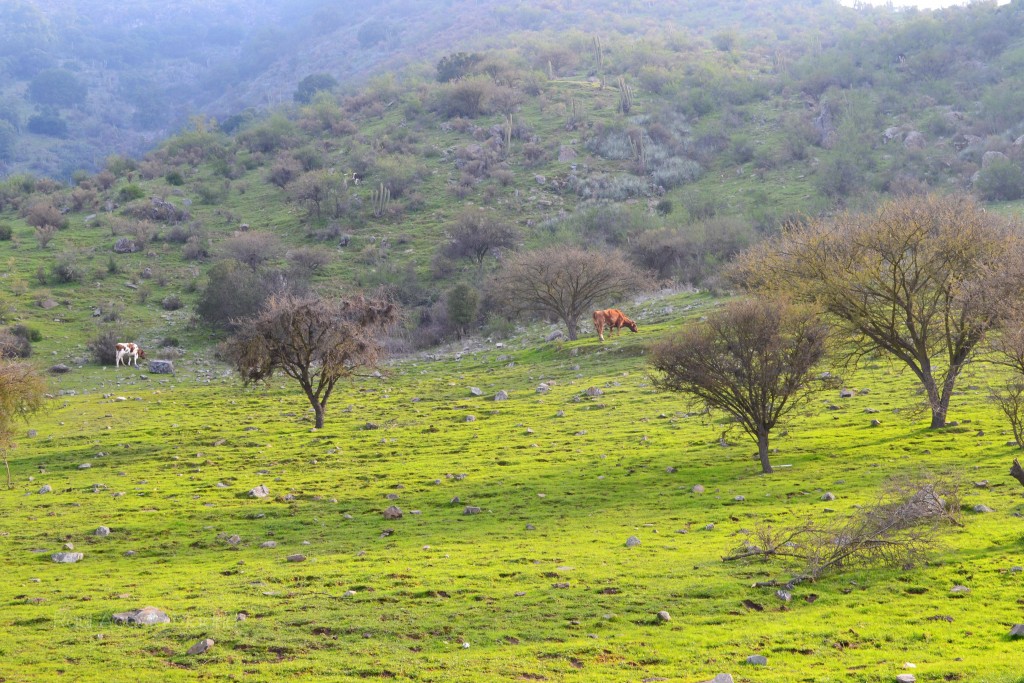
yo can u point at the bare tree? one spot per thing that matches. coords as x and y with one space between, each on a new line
320 192
313 340
476 235
923 279
1008 350
22 392
753 360
565 282
253 248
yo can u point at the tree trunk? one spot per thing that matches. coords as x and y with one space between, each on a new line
10 484
318 410
1017 472
572 325
938 404
762 450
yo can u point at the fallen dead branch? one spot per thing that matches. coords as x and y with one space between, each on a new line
898 530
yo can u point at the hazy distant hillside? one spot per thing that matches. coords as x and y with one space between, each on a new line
675 149
81 79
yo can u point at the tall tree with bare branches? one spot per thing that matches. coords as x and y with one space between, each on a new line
314 340
22 392
752 360
566 283
923 279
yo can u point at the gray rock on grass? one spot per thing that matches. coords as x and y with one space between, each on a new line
757 660
66 558
200 647
632 542
260 491
147 616
393 512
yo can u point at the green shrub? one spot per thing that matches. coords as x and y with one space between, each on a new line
131 192
6 232
1001 180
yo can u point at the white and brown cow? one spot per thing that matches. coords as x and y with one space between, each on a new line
129 350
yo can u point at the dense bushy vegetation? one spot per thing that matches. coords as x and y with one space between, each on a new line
678 150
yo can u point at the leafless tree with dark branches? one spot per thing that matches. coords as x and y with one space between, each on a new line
314 340
752 360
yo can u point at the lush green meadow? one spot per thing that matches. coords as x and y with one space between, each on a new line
540 585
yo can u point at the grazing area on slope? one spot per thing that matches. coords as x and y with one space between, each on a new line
510 559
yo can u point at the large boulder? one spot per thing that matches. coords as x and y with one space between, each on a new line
147 616
161 367
914 140
991 156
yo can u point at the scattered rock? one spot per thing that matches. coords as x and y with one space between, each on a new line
557 334
46 489
846 393
470 418
828 496
593 391
392 512
697 488
876 423
471 510
632 542
739 499
66 558
85 466
709 527
664 616
234 539
147 616
757 660
476 391
721 678
102 531
785 596
906 678
260 491
501 396
297 557
914 140
161 367
1017 631
960 590
59 369
268 544
982 508
200 647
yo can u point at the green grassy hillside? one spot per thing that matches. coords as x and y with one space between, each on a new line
540 584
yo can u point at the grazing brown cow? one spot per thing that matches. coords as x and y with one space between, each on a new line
613 319
129 350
